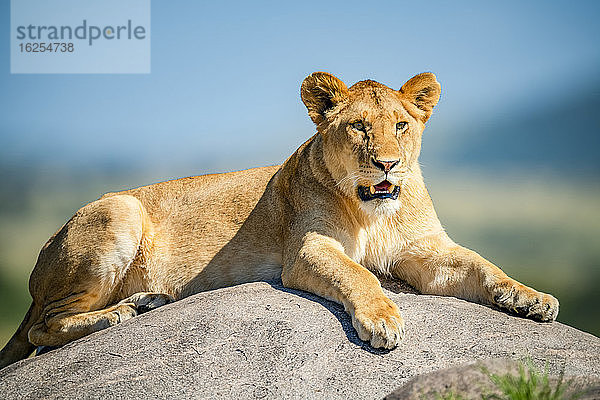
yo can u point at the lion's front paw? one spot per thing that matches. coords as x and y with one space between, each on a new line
379 323
526 302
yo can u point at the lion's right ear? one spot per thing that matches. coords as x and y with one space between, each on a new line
320 92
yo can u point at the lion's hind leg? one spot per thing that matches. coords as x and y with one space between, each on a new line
62 325
58 329
83 272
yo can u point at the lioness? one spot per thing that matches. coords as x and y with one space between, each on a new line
350 202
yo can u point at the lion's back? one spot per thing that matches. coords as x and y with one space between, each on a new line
215 196
208 230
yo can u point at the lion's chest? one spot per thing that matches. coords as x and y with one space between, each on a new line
377 246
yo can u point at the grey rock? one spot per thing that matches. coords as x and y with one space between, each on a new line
261 340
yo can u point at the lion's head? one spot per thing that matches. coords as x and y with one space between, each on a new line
371 133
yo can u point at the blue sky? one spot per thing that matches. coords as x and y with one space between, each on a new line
224 86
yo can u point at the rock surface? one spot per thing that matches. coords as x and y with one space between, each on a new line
260 340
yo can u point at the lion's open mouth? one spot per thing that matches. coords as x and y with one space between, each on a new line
383 190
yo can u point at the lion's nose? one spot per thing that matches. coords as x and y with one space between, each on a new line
385 166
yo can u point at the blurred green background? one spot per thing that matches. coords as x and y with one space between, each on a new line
511 155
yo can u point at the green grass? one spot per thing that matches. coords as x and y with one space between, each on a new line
529 384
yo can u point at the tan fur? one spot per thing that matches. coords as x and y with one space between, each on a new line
132 251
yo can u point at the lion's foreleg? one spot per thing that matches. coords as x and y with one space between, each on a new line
436 265
320 266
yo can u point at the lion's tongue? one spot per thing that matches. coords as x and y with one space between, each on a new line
383 186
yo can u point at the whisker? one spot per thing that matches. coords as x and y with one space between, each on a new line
350 177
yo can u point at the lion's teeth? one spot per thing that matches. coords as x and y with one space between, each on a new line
372 189
391 189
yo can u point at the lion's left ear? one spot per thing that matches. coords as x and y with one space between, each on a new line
423 91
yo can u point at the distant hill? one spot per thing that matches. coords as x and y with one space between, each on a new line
563 136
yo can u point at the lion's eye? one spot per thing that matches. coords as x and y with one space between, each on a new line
359 126
401 126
